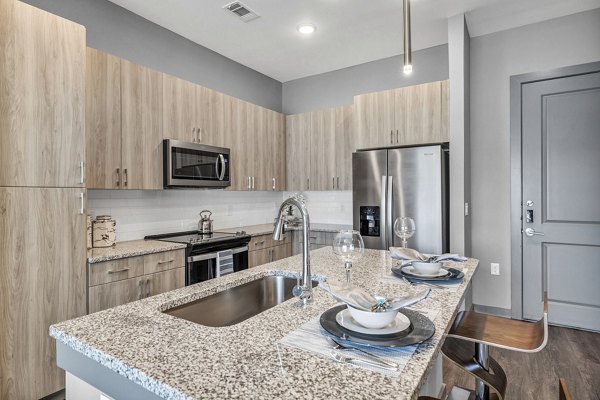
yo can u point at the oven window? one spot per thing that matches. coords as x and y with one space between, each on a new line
199 165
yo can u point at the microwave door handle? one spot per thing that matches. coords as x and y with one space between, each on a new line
222 160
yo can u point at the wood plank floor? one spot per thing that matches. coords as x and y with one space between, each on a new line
570 354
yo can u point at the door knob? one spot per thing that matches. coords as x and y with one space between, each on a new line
531 232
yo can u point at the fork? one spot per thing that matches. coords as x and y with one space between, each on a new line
341 358
423 283
338 346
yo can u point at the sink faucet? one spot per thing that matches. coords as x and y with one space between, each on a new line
304 290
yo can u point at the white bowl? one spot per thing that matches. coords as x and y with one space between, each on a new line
426 268
373 320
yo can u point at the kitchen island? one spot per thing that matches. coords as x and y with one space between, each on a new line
136 351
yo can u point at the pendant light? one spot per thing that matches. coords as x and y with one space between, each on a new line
407 50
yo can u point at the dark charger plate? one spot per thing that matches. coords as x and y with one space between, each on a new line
454 275
420 329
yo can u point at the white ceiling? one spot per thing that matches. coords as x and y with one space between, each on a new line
349 32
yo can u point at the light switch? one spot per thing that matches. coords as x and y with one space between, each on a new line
495 269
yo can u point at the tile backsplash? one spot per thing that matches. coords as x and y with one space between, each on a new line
139 213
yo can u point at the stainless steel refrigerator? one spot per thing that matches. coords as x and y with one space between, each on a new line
402 182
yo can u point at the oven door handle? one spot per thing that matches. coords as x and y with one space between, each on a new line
211 256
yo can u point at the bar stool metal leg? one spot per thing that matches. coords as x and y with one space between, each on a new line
482 357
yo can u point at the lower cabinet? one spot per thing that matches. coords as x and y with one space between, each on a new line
263 249
117 282
317 240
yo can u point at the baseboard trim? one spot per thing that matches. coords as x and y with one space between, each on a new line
500 312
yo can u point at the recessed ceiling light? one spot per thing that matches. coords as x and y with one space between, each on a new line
306 29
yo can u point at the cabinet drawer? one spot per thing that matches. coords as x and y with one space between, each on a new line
108 295
115 270
164 261
260 242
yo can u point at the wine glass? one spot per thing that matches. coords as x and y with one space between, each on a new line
348 246
404 227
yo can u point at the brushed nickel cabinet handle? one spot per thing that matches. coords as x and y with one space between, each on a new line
396 136
307 183
82 205
166 261
274 184
333 184
194 135
118 177
147 287
82 168
141 289
392 136
116 271
253 183
249 183
258 243
199 130
125 177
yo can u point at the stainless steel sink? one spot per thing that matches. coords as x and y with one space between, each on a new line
239 303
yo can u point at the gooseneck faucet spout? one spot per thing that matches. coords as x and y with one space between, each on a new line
304 290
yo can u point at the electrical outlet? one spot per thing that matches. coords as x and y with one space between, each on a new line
495 268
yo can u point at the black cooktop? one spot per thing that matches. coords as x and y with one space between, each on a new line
196 238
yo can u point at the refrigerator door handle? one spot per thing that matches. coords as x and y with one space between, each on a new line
384 180
389 208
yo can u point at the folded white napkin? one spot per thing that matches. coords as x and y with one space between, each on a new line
410 255
363 300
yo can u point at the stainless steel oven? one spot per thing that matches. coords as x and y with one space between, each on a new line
195 165
204 266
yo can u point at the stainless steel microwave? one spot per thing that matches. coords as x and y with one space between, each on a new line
195 165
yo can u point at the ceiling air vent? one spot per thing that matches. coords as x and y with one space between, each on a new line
242 11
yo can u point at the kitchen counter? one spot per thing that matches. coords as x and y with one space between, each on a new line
130 248
176 359
266 229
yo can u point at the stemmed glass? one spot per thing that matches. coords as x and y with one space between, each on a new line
404 227
348 246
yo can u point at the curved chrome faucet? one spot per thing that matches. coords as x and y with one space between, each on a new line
304 290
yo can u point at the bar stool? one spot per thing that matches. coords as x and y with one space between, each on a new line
486 330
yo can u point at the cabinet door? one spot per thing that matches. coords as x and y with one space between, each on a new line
282 251
277 167
260 150
423 113
374 119
219 128
114 294
322 150
239 157
42 282
163 282
179 109
444 135
344 144
103 120
141 100
297 128
258 257
42 100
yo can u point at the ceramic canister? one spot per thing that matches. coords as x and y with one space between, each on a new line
89 231
104 231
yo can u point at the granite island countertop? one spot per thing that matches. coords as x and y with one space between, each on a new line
177 359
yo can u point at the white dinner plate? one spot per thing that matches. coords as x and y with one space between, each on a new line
410 270
344 318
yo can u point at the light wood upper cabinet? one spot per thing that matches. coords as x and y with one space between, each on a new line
103 120
40 284
298 128
141 126
277 153
260 150
345 145
404 116
374 119
180 109
322 150
422 113
42 100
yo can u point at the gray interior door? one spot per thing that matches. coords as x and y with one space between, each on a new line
561 199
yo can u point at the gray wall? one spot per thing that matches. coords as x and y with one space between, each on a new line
117 31
338 88
551 44
460 189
